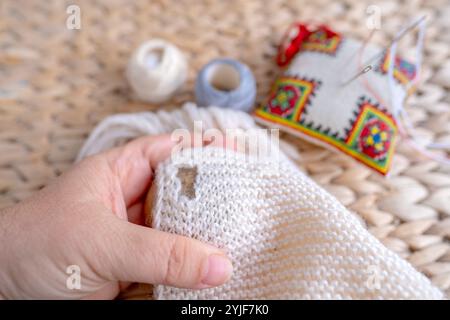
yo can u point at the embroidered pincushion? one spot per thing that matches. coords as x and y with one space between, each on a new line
324 96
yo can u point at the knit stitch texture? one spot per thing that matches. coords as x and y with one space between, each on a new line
286 236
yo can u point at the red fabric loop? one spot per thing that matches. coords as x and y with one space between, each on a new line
292 41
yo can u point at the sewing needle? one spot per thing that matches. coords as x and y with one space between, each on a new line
377 56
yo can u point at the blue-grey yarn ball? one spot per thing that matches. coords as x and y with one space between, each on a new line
226 83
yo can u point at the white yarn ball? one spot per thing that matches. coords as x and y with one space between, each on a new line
156 70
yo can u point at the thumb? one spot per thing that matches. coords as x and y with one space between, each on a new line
145 255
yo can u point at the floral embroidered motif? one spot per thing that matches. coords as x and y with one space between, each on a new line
284 100
375 139
289 97
373 135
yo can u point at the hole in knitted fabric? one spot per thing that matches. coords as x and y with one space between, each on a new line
187 176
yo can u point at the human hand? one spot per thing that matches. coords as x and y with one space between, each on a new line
92 217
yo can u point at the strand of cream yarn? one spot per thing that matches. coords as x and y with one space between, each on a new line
117 129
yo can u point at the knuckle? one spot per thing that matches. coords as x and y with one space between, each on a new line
176 261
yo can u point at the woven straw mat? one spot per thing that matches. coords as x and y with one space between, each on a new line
56 84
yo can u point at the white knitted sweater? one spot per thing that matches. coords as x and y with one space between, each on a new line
286 236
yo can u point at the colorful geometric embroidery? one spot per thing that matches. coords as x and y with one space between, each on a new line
373 134
375 139
322 41
289 97
346 118
369 140
404 71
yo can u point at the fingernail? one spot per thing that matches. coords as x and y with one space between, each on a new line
217 271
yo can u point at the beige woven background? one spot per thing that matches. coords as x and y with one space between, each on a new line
56 84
